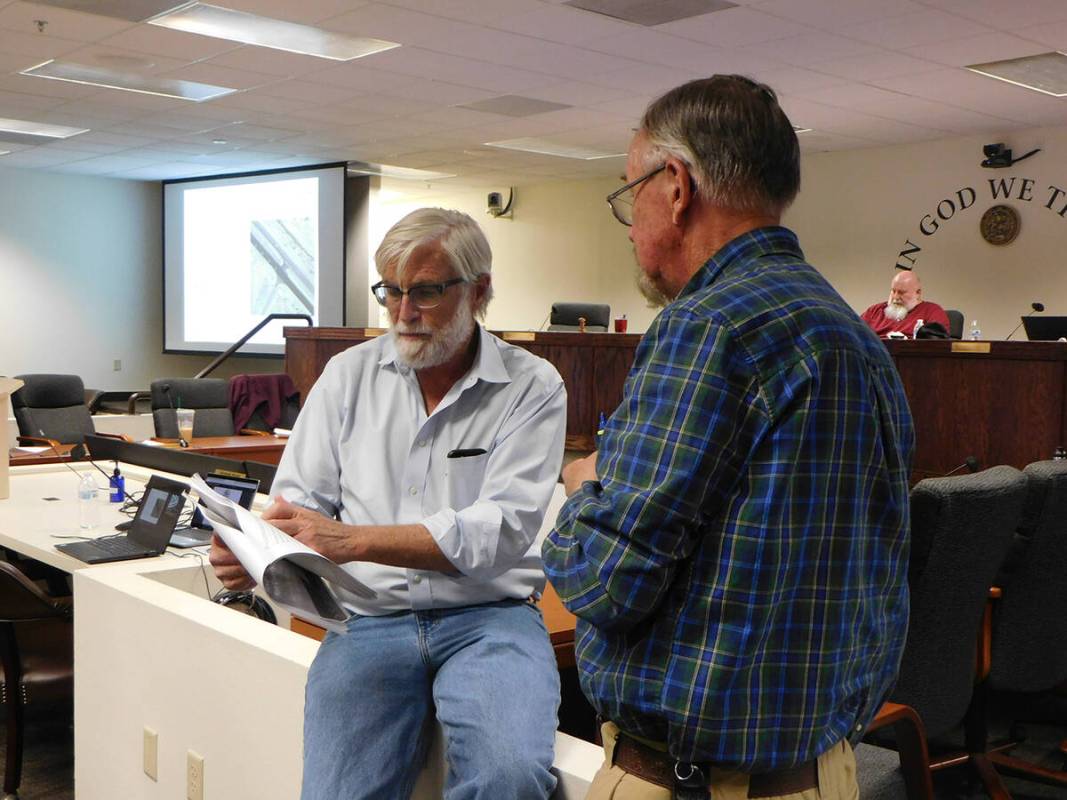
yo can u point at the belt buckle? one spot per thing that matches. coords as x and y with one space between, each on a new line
690 782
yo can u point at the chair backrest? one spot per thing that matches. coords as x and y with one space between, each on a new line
955 323
54 405
961 528
564 316
264 402
209 397
21 600
1030 620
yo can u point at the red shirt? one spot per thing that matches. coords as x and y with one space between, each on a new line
883 325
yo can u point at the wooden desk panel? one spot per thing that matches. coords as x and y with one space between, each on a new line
17 458
593 366
264 449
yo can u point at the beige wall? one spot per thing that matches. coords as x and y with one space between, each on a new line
857 209
80 278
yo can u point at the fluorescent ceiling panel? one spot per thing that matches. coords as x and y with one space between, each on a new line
545 147
126 81
651 12
240 26
132 10
391 171
1045 72
39 129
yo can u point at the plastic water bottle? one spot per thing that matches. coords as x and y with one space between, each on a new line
88 511
976 332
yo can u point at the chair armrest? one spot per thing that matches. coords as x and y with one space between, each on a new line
38 440
122 437
984 655
131 401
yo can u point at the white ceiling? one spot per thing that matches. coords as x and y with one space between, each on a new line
860 73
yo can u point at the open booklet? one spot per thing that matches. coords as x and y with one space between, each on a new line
291 573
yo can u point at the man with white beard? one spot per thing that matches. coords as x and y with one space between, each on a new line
905 308
424 461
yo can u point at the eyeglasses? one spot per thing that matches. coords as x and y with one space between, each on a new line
424 295
622 200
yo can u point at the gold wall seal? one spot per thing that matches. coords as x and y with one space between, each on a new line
1000 225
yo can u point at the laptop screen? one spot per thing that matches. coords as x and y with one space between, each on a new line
157 515
241 490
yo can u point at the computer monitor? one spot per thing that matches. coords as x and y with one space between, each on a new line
1045 329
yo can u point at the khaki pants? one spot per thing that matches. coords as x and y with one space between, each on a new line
837 778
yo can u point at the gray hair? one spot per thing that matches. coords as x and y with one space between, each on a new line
461 239
737 142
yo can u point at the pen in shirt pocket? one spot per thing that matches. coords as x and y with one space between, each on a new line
474 451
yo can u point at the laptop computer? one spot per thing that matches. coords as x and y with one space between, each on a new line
148 535
241 490
1045 329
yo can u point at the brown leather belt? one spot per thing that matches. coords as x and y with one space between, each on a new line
657 767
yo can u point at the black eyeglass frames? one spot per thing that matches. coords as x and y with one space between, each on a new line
424 295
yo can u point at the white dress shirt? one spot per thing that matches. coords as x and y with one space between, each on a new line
364 450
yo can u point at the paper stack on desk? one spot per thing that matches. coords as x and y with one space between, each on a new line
291 573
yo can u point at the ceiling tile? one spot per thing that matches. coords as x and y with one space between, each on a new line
735 27
470 10
997 14
565 25
360 77
870 66
59 22
909 30
977 49
831 15
306 91
811 48
645 78
35 48
307 12
268 61
1053 35
454 69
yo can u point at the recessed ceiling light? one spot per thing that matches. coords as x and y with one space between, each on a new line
545 147
650 12
240 26
1045 72
218 141
798 129
128 82
391 171
28 128
4 152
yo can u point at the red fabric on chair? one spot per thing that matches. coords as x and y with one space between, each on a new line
248 392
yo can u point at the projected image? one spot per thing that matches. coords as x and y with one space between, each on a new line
283 266
250 250
240 248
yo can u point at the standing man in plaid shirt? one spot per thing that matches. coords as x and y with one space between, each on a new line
736 552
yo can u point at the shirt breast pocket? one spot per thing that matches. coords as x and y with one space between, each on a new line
464 479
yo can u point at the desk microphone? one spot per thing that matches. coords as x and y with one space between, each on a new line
166 391
971 463
1033 307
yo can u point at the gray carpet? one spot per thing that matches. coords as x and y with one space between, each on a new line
48 761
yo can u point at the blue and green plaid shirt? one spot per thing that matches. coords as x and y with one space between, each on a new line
739 570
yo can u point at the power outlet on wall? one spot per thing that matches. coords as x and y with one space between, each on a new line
116 365
194 776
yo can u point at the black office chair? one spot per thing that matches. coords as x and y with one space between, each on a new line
955 323
37 653
565 316
209 397
51 409
961 529
1029 649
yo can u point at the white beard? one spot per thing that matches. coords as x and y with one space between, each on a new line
442 345
895 311
653 294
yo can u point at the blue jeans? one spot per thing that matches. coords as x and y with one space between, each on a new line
486 672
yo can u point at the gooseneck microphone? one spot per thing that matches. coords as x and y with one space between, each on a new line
181 439
1039 307
971 463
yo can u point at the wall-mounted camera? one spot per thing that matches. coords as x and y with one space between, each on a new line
997 156
495 205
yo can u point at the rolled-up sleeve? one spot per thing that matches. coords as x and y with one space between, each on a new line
492 534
